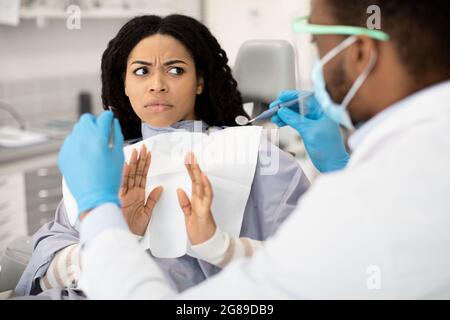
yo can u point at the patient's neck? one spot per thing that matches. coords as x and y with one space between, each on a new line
183 125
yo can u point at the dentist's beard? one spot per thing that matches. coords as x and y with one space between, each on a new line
338 87
338 84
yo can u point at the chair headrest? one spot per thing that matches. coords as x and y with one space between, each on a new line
263 68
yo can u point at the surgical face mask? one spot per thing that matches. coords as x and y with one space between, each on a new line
338 112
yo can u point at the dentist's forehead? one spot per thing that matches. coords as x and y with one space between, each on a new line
321 12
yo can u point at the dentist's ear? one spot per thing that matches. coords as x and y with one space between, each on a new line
361 53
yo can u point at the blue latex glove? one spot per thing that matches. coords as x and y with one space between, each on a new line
321 136
93 171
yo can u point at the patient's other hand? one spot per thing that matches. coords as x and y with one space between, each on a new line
136 211
200 223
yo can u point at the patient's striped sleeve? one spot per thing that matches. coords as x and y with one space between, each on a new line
222 249
64 270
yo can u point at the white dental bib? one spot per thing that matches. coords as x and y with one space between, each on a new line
228 157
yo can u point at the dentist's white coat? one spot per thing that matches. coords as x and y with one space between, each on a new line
378 229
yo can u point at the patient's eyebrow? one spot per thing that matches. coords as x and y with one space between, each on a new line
175 61
167 63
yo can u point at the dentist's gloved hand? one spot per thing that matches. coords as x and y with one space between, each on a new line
92 170
321 136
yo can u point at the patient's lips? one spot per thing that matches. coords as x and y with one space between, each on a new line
158 106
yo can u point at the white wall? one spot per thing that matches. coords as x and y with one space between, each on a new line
28 52
235 21
43 70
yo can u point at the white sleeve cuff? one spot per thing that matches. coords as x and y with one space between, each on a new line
104 217
212 250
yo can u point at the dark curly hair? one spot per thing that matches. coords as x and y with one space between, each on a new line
220 101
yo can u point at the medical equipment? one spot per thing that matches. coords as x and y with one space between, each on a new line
321 135
17 136
242 120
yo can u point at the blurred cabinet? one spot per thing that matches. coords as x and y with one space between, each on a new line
12 208
30 191
43 194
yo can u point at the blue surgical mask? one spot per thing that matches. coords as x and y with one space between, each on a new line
338 112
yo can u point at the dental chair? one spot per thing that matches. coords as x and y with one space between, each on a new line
12 265
263 68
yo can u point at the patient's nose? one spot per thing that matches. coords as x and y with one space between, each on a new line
157 84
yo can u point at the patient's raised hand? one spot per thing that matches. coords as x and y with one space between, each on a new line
200 224
136 210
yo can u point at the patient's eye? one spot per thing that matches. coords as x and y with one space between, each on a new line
140 71
176 70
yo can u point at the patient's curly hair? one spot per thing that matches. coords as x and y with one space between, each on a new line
220 101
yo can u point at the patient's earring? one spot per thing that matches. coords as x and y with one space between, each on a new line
199 90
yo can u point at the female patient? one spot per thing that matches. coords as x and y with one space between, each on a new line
161 75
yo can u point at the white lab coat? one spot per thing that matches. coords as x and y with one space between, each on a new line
378 229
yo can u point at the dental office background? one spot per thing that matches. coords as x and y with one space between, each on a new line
50 74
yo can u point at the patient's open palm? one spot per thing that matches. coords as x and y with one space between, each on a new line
136 210
200 224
